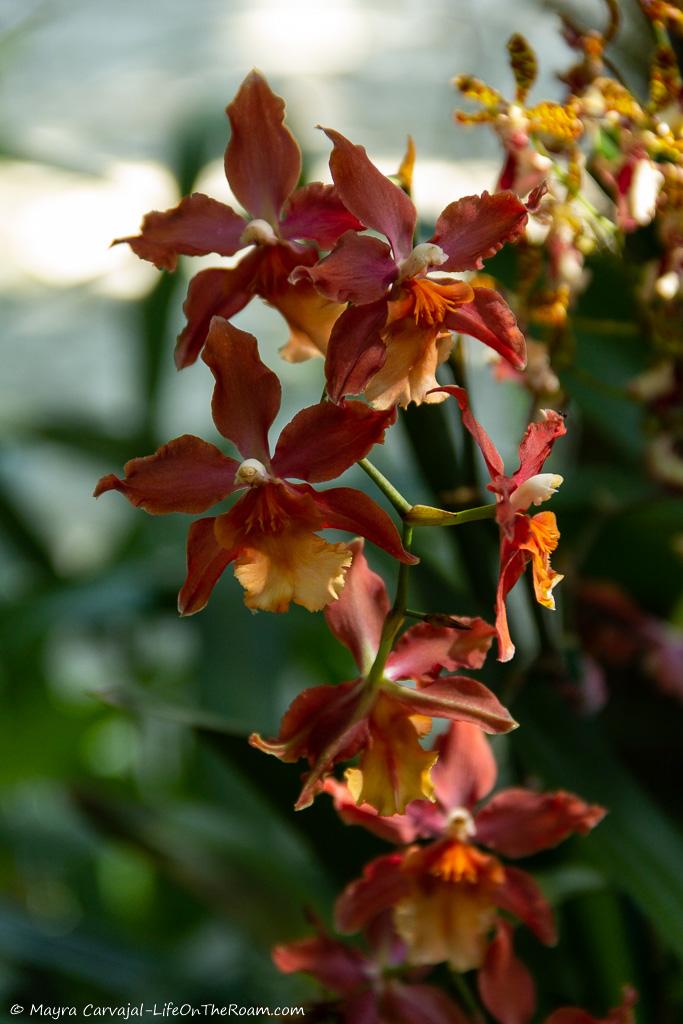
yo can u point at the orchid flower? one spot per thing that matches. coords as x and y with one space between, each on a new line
263 167
445 894
271 532
390 341
524 538
382 720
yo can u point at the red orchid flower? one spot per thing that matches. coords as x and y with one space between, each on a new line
445 894
271 531
383 720
524 538
508 992
263 166
368 988
389 343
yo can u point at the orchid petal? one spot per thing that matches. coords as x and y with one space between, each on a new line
457 698
338 967
419 1004
197 226
263 159
382 885
185 475
206 562
246 397
324 440
344 508
359 269
316 212
357 618
488 318
494 462
356 350
537 444
520 895
395 828
474 228
466 770
424 649
505 985
368 194
517 822
214 292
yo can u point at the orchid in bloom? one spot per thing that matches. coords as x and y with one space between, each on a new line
524 538
375 716
508 992
369 988
445 894
271 532
399 327
263 167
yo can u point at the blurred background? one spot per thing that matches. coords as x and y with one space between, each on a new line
147 851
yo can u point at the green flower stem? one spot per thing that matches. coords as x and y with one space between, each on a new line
426 515
394 619
468 998
395 497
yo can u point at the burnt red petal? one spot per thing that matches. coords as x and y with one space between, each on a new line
263 159
396 828
359 270
357 617
537 444
206 562
521 896
518 822
476 227
402 1003
457 698
488 318
197 226
316 212
185 475
336 966
494 463
421 652
344 508
512 564
466 769
321 442
356 350
505 985
214 293
246 398
369 194
381 886
622 1014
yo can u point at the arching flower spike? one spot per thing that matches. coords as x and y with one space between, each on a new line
263 166
271 533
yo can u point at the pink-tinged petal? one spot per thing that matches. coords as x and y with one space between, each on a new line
185 475
466 770
537 444
518 822
381 886
457 698
357 617
494 462
402 1003
338 967
214 293
488 318
359 269
368 194
206 562
356 350
512 564
197 226
321 442
316 212
263 159
395 828
246 397
344 508
424 650
505 985
619 1015
474 228
520 895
